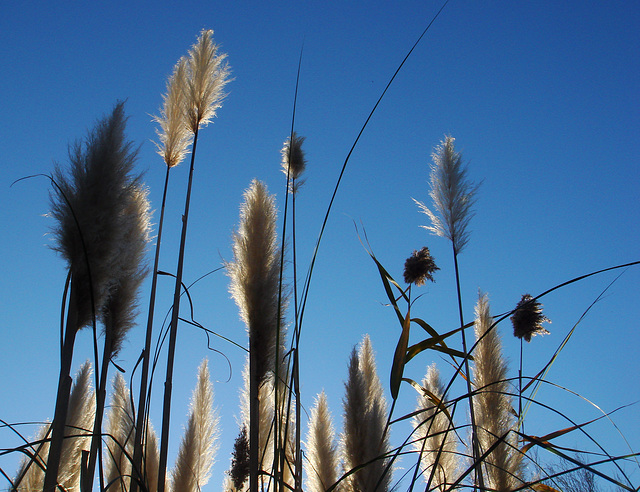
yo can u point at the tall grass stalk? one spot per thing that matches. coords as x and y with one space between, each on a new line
293 165
255 287
453 197
207 74
175 138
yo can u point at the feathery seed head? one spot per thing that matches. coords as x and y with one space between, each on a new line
120 429
174 134
30 476
88 207
255 273
239 471
419 267
322 464
452 194
207 74
198 447
293 160
120 308
435 436
528 318
495 418
365 413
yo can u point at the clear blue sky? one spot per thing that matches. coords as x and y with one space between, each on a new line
542 97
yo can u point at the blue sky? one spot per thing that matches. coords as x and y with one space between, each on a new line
542 98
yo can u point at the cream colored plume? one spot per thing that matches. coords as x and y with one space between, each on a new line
174 134
321 467
197 450
207 74
493 409
119 439
435 438
293 160
452 194
365 412
255 274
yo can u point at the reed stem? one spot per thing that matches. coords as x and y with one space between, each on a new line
166 413
141 421
62 398
474 436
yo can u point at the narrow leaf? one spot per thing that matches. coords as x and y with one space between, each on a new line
399 357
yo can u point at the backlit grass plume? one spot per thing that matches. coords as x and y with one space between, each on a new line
119 438
322 462
364 440
495 419
452 194
207 74
197 450
255 274
293 160
121 307
435 438
89 207
174 134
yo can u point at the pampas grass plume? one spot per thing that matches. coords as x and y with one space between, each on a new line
494 415
452 194
120 310
293 159
198 447
322 464
365 408
255 273
207 74
174 134
435 438
120 430
93 195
